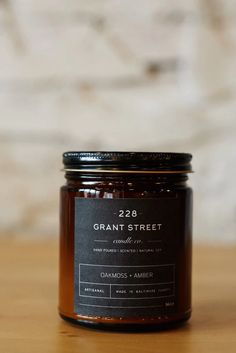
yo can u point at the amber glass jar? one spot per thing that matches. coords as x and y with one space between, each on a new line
125 239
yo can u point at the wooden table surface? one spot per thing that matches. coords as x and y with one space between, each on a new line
28 308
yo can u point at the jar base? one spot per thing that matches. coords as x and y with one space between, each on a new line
130 327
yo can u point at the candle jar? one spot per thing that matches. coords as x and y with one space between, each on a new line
125 239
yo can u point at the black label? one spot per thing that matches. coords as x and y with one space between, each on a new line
125 256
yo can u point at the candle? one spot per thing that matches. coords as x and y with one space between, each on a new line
125 239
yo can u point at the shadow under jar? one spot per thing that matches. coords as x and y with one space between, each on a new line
125 239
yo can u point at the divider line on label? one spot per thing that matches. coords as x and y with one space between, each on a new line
123 307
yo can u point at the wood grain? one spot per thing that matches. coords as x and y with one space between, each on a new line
28 308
